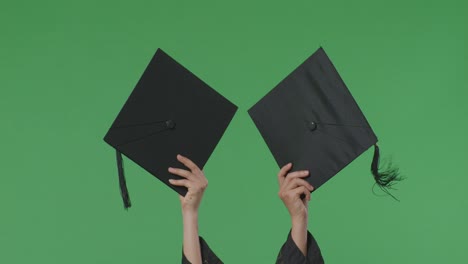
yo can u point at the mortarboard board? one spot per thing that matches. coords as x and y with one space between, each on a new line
169 112
311 119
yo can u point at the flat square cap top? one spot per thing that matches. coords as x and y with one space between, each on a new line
311 119
170 112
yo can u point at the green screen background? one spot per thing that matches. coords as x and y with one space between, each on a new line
66 68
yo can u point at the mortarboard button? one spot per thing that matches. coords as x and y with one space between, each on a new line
170 124
312 126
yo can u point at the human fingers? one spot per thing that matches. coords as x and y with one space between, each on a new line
301 190
180 172
296 174
184 183
188 163
296 182
283 171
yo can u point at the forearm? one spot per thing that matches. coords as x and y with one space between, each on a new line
191 239
299 232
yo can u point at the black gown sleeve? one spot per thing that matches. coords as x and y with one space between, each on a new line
291 254
208 256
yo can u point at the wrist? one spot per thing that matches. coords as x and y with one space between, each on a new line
190 214
299 221
190 221
299 232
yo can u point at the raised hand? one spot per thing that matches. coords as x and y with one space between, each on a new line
194 180
292 187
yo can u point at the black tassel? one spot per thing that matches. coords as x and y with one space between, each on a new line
387 178
123 184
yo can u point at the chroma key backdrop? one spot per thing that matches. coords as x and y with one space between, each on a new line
67 67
